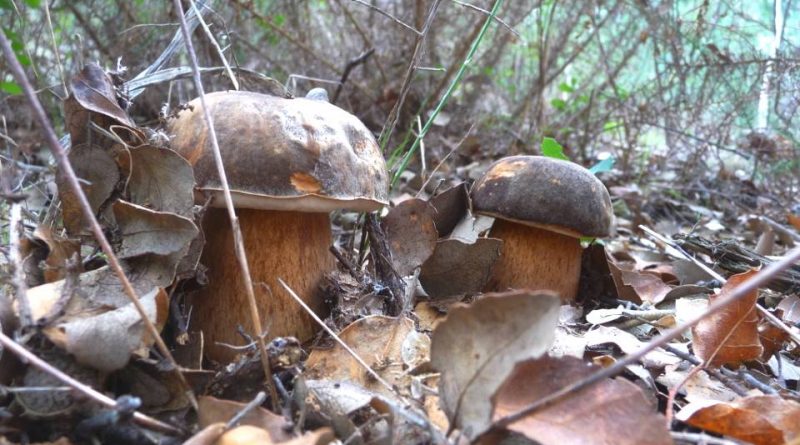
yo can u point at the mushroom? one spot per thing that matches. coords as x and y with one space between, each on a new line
289 163
542 206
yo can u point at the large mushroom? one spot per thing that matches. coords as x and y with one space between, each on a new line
542 206
289 163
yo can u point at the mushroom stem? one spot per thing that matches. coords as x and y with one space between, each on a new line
279 244
536 259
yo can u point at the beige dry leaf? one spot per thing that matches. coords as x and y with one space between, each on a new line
98 324
477 346
637 286
730 336
791 309
761 420
211 410
161 180
612 411
628 343
457 268
382 342
146 231
411 233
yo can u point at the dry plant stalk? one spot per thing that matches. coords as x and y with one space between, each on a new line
238 243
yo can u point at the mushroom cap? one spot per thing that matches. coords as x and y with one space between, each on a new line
282 154
552 194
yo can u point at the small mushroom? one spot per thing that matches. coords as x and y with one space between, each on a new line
542 206
289 163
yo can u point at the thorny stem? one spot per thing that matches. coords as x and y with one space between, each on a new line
241 254
758 280
140 418
97 230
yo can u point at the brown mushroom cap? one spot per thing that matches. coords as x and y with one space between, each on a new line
283 154
548 193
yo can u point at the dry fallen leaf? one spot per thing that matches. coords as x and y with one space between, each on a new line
99 175
628 343
457 268
212 410
612 411
477 346
381 342
791 309
730 336
161 180
766 420
451 205
636 286
146 231
411 233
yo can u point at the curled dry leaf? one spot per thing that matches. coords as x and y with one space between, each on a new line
767 419
411 233
211 410
628 343
146 231
161 180
61 250
451 206
98 324
380 341
636 286
333 403
612 411
477 346
98 173
457 268
730 336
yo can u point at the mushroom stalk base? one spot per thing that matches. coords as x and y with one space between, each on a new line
292 246
536 259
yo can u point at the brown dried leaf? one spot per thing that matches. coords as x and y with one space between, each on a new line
636 286
733 330
458 268
411 233
161 180
610 411
759 420
477 346
451 206
212 410
97 170
146 231
93 90
382 342
60 251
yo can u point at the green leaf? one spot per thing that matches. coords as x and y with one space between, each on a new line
23 59
279 20
603 166
559 104
553 149
10 88
5 4
611 125
563 86
33 3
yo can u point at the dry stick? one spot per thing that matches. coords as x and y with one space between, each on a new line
758 280
386 14
214 43
238 245
140 418
333 335
72 180
767 314
496 19
18 277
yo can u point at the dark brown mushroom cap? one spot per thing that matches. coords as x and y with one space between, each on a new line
543 192
282 154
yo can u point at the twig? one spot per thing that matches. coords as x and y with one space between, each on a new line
348 68
88 214
140 418
386 14
497 19
333 335
767 314
241 255
214 43
738 293
253 404
444 159
21 290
